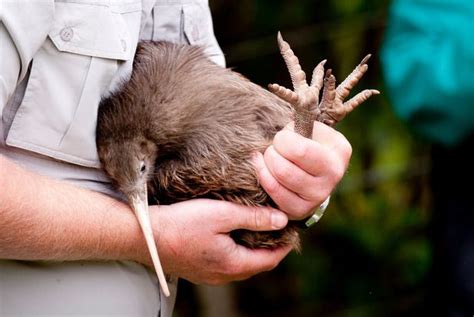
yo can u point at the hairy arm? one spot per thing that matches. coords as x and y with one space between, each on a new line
45 219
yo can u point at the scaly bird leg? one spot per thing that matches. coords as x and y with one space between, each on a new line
332 107
304 98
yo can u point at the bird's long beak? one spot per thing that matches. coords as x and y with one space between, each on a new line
139 203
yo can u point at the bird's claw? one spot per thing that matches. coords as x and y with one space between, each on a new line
305 98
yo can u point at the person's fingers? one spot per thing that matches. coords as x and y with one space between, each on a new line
288 201
236 216
332 139
312 156
323 134
253 261
243 263
295 179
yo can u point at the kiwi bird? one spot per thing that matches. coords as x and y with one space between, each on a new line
183 127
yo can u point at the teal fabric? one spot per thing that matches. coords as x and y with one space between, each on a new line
428 63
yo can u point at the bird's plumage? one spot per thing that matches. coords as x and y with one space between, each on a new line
199 123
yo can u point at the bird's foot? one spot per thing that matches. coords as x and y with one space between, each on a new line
305 98
332 107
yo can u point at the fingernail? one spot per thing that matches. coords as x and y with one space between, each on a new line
279 220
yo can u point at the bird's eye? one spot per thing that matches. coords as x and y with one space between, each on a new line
142 167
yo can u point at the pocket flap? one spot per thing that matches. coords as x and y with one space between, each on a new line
199 30
91 29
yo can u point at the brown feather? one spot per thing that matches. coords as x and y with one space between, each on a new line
200 124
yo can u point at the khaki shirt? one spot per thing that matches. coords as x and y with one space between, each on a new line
57 59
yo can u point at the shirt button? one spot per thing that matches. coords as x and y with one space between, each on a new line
124 45
66 34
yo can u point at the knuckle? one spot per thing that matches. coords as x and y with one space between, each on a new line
301 152
338 171
272 187
320 195
312 193
283 172
258 218
265 217
300 210
344 147
323 195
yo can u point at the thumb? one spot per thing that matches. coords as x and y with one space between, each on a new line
257 218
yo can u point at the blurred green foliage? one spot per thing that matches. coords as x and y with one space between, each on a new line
369 255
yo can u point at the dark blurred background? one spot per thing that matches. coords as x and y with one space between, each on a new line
370 255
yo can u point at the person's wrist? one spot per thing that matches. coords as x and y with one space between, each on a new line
138 252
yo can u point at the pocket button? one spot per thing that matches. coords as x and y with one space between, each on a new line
66 34
124 45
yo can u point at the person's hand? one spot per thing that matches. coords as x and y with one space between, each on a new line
299 173
194 243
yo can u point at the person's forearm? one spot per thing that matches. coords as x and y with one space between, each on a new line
45 219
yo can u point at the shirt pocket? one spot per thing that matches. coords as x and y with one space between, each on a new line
186 21
90 45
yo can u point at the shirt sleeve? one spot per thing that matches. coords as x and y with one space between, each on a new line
184 22
428 65
24 26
